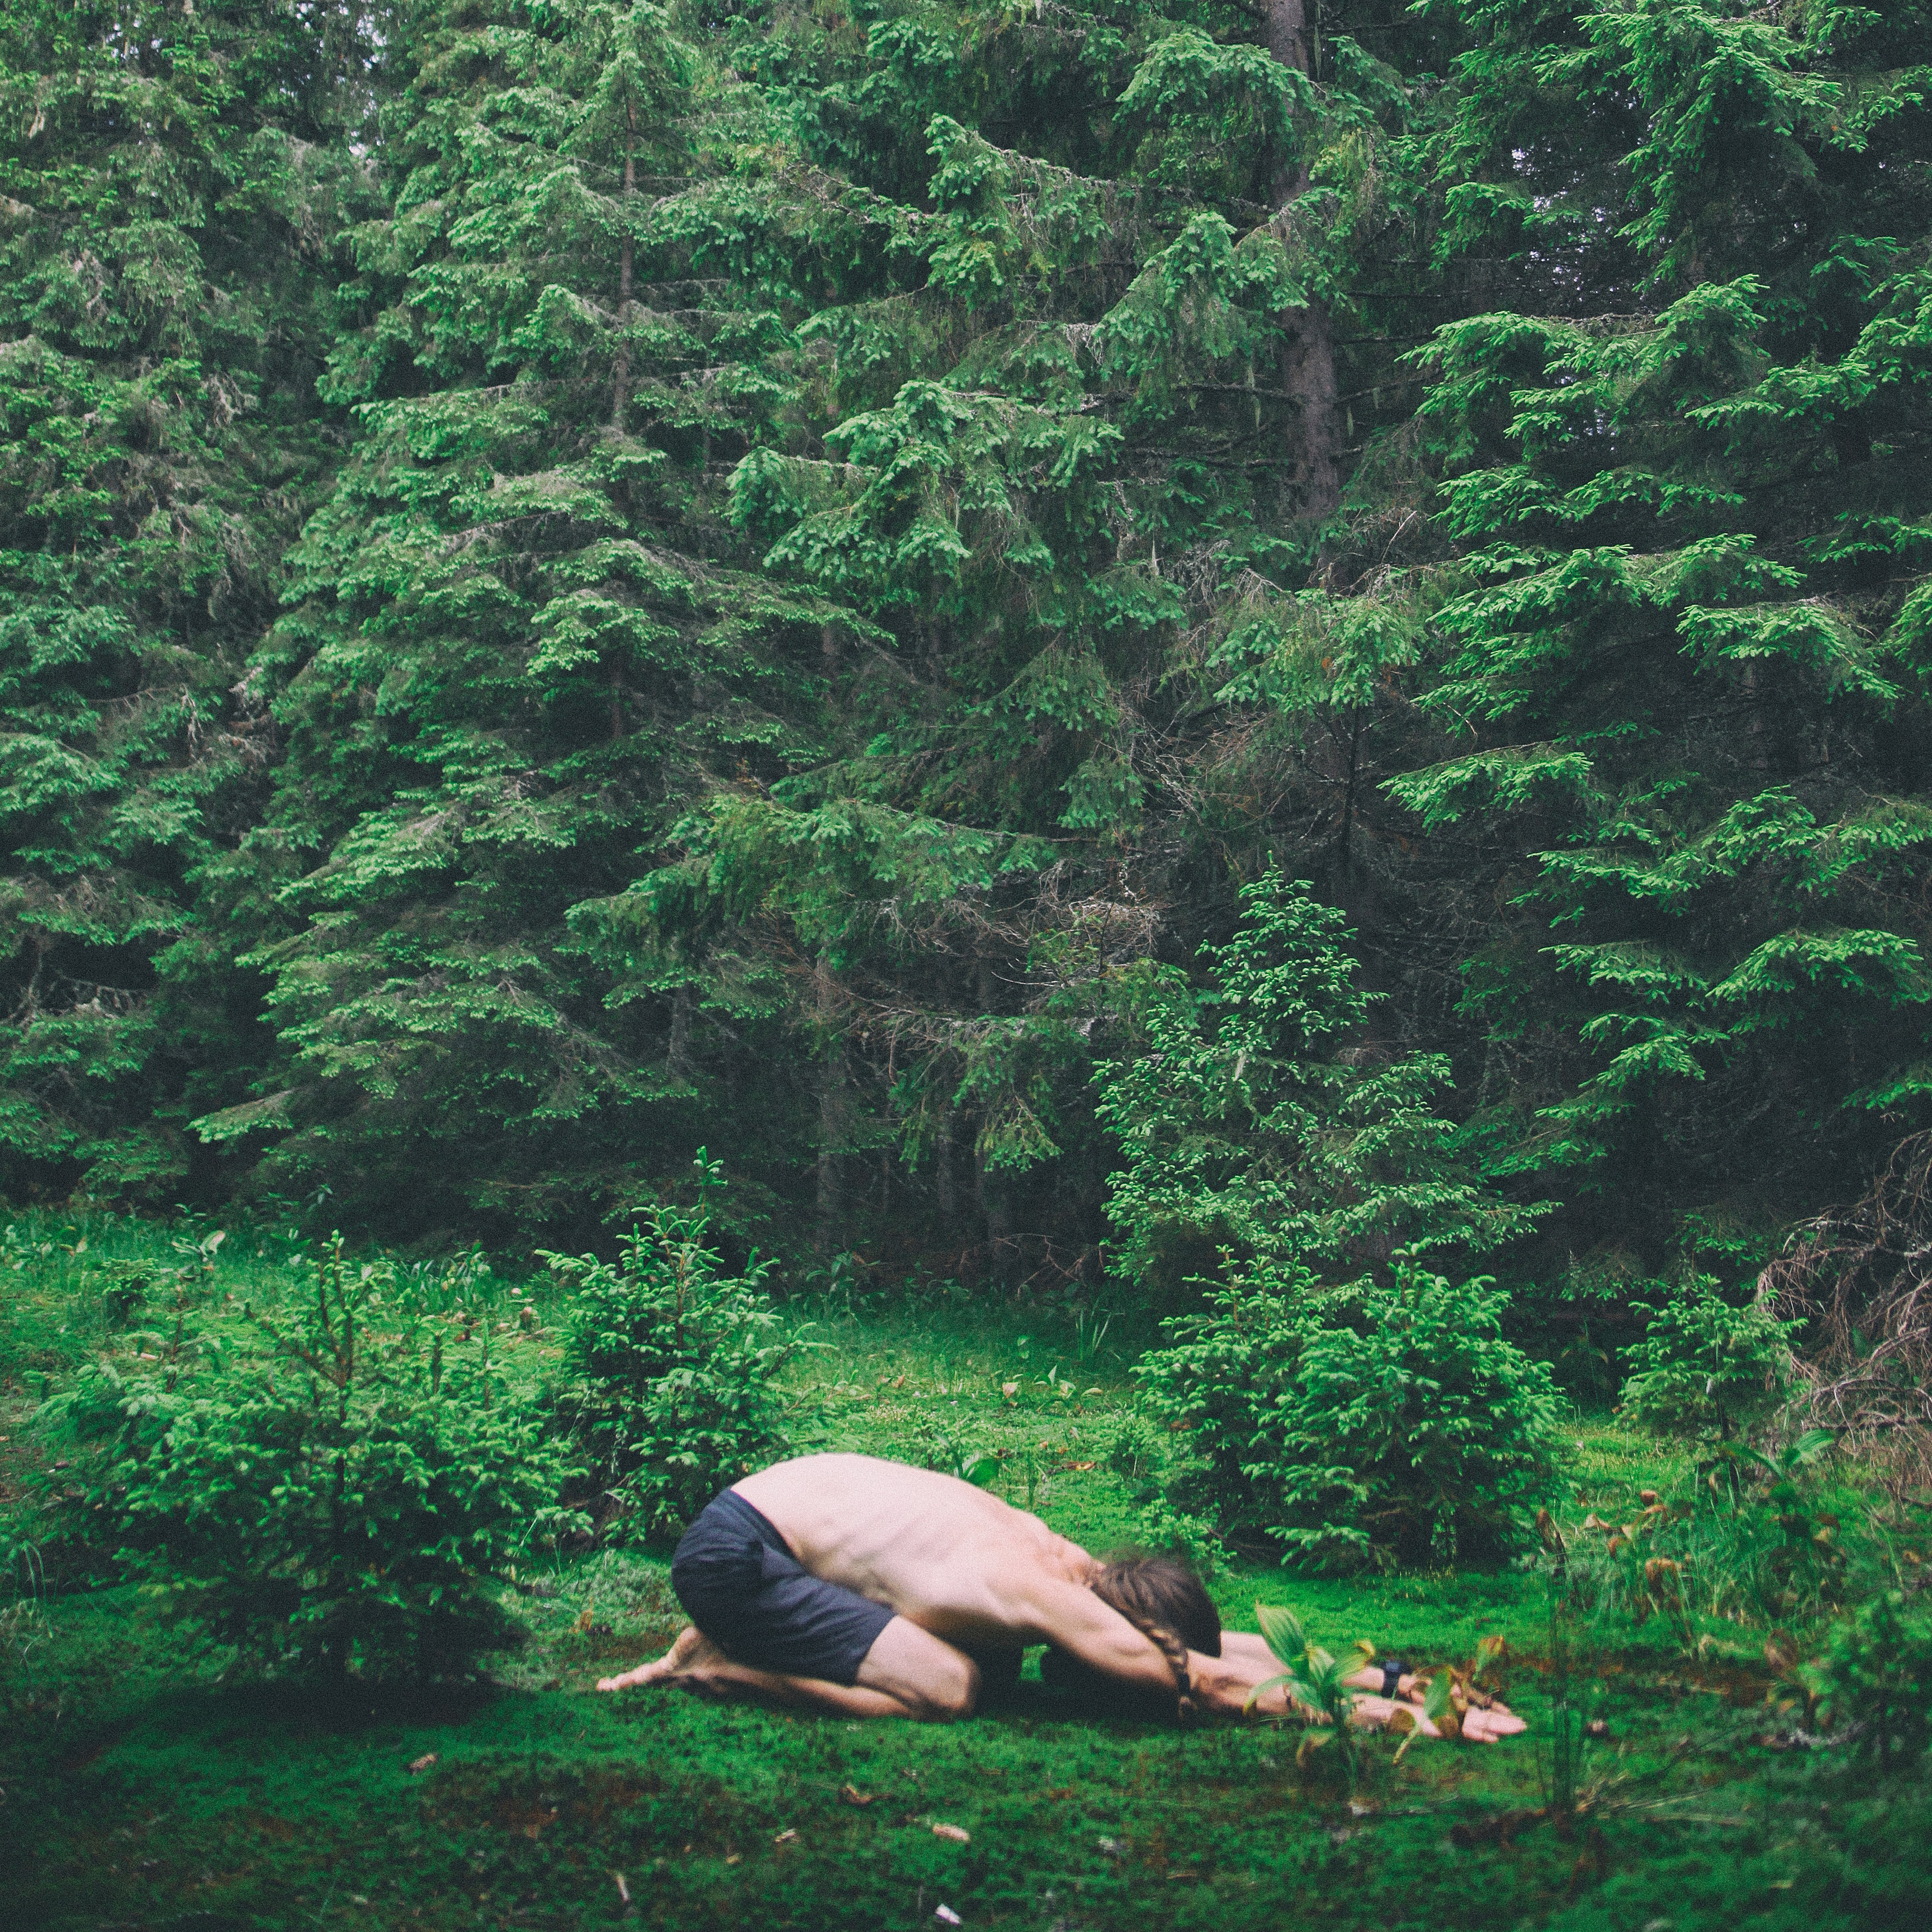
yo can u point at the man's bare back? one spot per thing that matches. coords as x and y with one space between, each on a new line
948 1557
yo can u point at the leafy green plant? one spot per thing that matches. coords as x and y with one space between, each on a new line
322 1493
1135 1451
942 1449
981 1471
1418 1431
1751 1542
24 1627
1638 1566
1576 1690
1873 1677
1316 1681
673 1360
1584 1365
1704 1366
1399 1427
124 1287
1732 1466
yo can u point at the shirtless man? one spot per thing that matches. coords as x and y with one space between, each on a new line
849 1584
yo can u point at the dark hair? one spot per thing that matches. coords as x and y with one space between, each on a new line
1165 1601
1160 1590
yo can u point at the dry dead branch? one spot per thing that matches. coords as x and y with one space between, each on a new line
1860 1277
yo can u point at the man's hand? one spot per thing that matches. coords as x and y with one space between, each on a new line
1485 1726
1481 1723
1475 1723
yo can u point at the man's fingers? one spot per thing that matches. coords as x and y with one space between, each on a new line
1488 1727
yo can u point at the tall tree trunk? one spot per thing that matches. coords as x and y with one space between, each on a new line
831 1117
677 1055
989 1190
1308 364
948 1177
620 387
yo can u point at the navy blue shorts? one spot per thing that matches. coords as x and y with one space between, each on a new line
741 1586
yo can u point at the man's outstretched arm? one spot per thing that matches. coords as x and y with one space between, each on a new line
1070 1616
1224 1683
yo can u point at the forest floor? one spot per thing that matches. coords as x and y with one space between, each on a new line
137 1790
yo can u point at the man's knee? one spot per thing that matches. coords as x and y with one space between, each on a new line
954 1693
923 1674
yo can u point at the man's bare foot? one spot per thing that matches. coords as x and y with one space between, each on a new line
688 1646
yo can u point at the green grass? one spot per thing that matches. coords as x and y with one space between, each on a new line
141 1791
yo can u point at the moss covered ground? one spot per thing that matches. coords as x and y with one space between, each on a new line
143 1790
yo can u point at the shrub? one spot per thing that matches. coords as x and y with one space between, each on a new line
321 1492
1221 1383
1752 1543
1704 1367
1410 1432
673 1362
1873 1677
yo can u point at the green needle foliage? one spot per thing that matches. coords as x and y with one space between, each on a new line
581 578
172 185
1704 1366
316 1490
1387 1425
1259 1126
516 649
1682 680
1872 1676
1073 416
674 1361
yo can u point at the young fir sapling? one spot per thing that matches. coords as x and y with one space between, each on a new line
318 1492
673 1361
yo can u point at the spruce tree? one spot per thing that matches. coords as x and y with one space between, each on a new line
171 180
1075 422
520 641
1684 649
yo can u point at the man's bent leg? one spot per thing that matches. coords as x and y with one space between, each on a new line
927 1676
908 1673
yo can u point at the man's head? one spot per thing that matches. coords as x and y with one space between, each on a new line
1165 1601
1160 1591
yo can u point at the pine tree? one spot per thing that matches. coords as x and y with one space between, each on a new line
1261 1139
1683 679
170 182
520 642
1076 421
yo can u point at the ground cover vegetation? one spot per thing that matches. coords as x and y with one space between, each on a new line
1722 1664
1228 704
